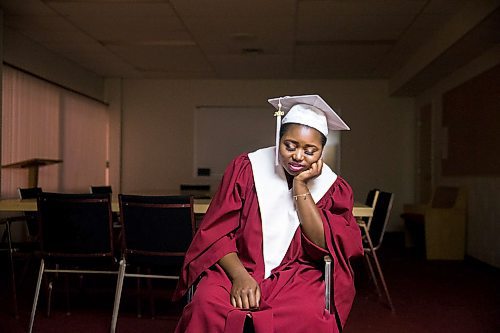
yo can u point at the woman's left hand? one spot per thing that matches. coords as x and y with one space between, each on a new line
313 172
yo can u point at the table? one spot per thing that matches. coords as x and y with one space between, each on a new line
361 210
200 207
32 165
29 205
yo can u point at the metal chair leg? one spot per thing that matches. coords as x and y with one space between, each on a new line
37 293
12 272
139 295
49 296
151 296
382 279
190 293
49 291
372 273
66 289
118 295
377 264
328 282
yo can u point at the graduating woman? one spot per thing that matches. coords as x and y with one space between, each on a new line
257 258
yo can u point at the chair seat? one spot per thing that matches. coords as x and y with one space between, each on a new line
155 262
21 248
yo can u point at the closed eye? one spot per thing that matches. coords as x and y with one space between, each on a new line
311 151
290 146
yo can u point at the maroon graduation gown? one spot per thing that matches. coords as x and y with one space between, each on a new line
293 298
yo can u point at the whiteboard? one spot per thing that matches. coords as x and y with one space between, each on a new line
222 133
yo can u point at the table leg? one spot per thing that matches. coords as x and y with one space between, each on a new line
33 176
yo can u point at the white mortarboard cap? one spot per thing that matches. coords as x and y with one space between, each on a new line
309 110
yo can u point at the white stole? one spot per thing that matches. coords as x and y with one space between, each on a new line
277 207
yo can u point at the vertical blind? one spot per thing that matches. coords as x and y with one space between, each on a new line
84 136
42 120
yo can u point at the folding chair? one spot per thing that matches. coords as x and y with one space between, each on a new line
372 240
75 237
106 189
157 231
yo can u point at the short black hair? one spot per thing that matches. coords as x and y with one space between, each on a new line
284 128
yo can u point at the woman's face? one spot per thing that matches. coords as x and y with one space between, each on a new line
300 146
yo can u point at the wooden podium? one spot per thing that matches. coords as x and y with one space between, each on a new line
32 165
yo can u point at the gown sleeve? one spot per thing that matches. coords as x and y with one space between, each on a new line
343 242
216 235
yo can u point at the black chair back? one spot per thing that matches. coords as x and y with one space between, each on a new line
104 189
31 217
157 231
29 192
370 197
75 237
380 217
75 225
156 225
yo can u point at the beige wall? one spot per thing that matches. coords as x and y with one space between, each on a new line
483 227
113 96
29 56
157 131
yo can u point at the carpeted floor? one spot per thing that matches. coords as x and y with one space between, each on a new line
429 296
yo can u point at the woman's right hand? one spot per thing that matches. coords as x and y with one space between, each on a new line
245 292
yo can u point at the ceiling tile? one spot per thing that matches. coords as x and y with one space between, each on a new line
356 61
25 7
90 9
259 9
46 29
242 39
120 21
361 7
252 66
358 20
162 58
230 35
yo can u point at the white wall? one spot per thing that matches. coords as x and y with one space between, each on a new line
483 227
157 130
